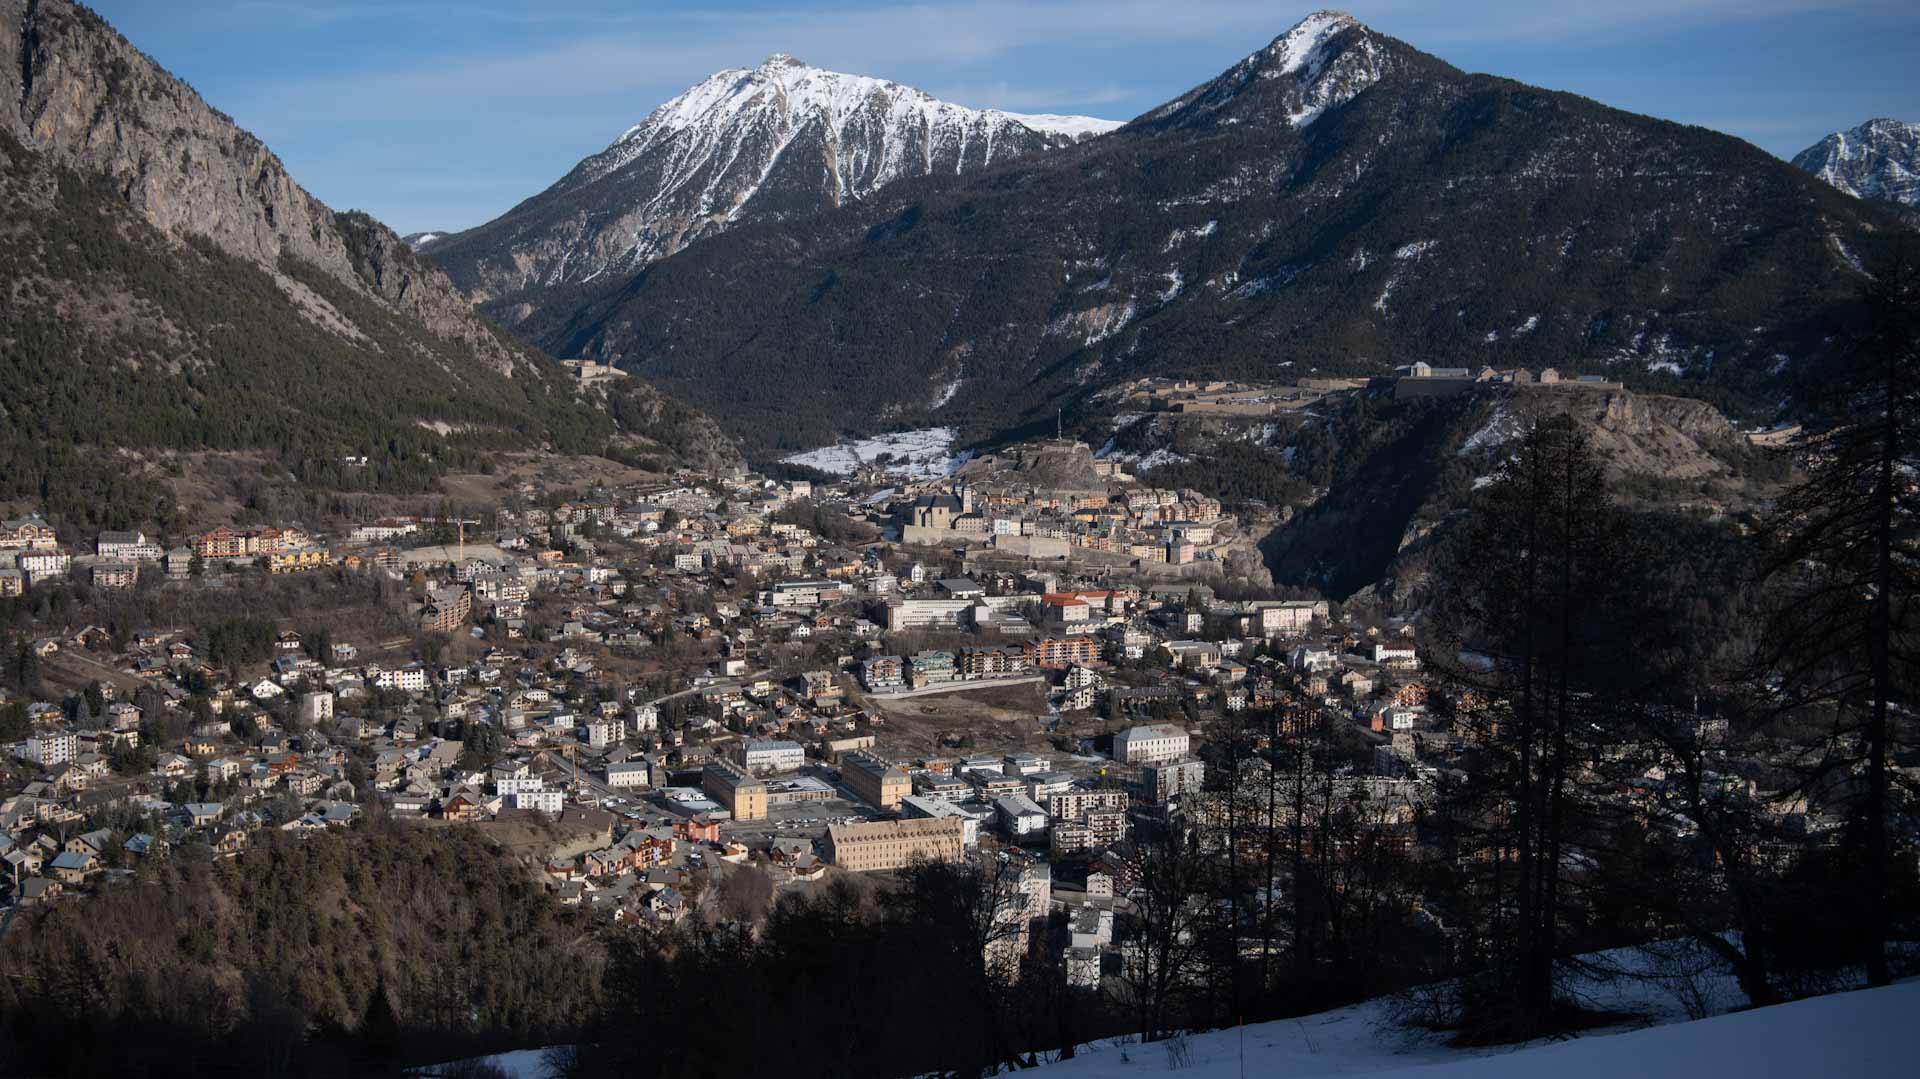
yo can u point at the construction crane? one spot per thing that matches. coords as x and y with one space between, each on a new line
459 523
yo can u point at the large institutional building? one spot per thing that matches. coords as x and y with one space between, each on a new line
743 796
1150 744
874 781
891 844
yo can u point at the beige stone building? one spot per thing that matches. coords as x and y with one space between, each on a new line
875 781
743 796
891 844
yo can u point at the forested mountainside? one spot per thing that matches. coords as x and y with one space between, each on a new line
1878 160
742 145
1337 202
165 285
345 950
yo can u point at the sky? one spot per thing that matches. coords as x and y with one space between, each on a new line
442 114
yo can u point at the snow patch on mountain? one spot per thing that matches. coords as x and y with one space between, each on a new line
945 394
1180 236
1094 324
1073 127
1501 427
1323 62
1303 48
1143 461
1176 283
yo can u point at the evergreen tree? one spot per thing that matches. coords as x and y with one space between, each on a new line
379 1029
1846 565
1535 625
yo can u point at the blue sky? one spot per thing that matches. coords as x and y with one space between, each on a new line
440 114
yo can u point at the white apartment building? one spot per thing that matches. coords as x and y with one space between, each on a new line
127 547
603 732
924 613
49 750
39 565
1388 655
317 707
1019 815
1151 743
406 679
772 755
546 801
629 774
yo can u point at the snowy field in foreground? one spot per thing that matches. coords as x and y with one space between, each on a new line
923 454
1867 1033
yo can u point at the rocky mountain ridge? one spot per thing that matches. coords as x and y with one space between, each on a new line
84 98
1337 202
745 144
167 288
1878 160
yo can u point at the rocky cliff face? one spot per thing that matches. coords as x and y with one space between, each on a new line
1646 435
82 96
745 144
165 285
1878 160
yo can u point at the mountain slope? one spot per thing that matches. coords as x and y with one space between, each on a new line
745 144
86 99
1880 160
1337 201
165 285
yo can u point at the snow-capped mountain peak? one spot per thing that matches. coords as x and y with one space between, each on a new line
1322 62
1880 160
787 89
1304 46
776 139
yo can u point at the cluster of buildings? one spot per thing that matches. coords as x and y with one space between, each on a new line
681 673
1426 380
1113 523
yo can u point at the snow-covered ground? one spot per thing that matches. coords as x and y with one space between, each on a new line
1869 1033
1866 1033
924 454
518 1064
1500 428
